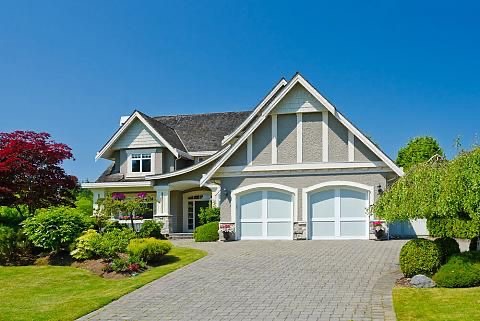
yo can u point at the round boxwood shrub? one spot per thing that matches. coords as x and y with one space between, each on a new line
447 247
420 256
206 233
461 271
151 228
149 249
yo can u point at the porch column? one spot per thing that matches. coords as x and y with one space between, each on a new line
97 194
216 189
162 212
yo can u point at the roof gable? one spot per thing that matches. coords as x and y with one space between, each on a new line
320 101
146 127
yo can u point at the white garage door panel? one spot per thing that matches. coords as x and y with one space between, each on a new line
266 215
338 213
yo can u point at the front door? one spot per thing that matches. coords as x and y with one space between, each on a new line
193 205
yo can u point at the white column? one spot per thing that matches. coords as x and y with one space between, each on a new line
216 189
325 136
351 147
299 138
249 150
97 194
274 139
162 212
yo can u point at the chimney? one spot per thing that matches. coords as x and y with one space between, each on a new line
123 119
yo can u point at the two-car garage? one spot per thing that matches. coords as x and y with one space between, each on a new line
335 210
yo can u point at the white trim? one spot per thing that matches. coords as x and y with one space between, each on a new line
185 207
190 168
299 137
337 185
302 166
274 139
137 115
203 153
116 184
325 136
249 150
351 147
299 79
234 206
257 109
326 171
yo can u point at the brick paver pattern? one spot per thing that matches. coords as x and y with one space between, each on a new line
270 280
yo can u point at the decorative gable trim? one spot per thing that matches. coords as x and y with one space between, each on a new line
137 115
298 79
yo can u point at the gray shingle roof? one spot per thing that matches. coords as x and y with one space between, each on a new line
203 132
166 132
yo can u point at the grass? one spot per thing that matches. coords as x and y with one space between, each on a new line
436 304
66 293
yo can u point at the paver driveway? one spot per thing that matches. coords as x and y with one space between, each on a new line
271 280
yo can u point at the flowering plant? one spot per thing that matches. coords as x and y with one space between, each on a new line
118 196
226 228
377 223
142 195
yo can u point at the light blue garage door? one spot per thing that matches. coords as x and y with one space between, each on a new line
338 213
265 214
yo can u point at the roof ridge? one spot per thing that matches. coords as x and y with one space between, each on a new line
213 113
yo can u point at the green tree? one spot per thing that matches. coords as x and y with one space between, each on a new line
447 192
418 150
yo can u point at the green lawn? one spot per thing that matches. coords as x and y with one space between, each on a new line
66 293
437 304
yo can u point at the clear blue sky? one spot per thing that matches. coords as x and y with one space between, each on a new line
397 69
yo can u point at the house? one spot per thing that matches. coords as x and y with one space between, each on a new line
294 167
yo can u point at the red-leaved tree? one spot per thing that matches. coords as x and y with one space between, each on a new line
30 171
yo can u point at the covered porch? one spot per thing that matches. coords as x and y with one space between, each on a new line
179 203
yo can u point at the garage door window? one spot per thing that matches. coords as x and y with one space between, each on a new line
266 214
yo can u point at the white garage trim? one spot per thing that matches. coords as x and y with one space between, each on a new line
261 186
330 185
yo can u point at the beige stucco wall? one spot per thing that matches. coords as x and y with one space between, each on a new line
287 139
262 143
312 137
337 140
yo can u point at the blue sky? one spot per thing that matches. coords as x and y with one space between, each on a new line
397 69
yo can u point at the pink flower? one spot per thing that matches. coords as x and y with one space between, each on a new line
142 195
118 196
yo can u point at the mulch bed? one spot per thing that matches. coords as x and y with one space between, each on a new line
98 267
403 283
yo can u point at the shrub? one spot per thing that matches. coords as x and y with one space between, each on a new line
209 215
113 242
447 247
206 233
8 244
149 250
474 244
126 265
55 228
453 227
420 256
151 229
84 247
461 271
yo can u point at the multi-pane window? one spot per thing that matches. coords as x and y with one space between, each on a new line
141 163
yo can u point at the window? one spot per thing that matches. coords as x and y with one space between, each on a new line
141 163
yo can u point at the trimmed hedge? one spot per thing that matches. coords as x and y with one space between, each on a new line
420 256
453 227
206 233
461 271
149 250
447 247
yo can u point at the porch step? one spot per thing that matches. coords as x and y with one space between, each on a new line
180 236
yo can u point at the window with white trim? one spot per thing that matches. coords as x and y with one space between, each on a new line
141 162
